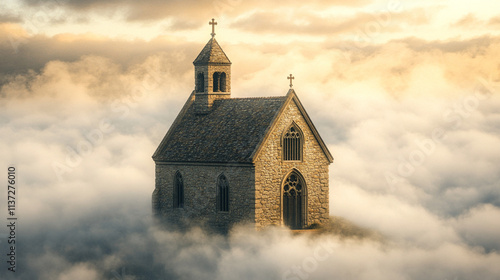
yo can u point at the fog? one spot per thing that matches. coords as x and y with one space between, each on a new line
413 126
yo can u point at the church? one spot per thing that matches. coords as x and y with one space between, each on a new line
231 160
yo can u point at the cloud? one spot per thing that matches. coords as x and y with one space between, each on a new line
308 23
180 24
494 20
9 18
479 227
144 251
470 21
23 52
81 116
153 10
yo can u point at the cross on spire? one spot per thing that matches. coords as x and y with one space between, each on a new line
290 78
213 23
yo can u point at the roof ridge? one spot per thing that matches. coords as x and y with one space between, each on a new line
256 97
211 46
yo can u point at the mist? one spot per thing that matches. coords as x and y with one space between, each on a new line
413 126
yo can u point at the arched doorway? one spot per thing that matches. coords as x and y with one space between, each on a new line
294 201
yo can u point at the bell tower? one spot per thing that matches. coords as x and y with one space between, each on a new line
212 70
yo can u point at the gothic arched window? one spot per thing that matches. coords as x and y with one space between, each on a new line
216 82
222 194
292 144
200 82
294 201
178 190
223 82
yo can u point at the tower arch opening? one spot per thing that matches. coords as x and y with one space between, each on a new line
200 82
223 81
216 81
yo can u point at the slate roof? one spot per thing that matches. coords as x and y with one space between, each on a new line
212 53
230 132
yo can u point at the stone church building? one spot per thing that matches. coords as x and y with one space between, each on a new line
228 160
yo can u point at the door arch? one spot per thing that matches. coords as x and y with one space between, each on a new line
294 201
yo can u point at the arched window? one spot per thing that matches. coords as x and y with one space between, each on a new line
222 194
223 82
178 190
200 82
292 144
216 81
294 201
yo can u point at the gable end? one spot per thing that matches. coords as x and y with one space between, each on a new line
292 97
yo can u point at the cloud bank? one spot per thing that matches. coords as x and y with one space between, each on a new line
413 125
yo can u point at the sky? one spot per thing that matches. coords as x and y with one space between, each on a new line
406 95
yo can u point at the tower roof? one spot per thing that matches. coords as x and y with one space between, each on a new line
212 53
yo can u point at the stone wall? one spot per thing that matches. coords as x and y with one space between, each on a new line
200 195
271 170
255 193
203 102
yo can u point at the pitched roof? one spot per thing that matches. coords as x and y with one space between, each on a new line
230 132
212 53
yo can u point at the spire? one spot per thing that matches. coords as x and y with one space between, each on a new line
212 75
212 53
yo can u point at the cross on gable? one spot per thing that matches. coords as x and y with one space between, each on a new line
291 78
213 23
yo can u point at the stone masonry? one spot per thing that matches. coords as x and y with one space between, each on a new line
242 139
200 182
271 171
